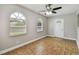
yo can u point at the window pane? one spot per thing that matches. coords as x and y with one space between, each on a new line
17 24
39 25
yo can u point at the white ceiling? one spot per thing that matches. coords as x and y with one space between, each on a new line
66 8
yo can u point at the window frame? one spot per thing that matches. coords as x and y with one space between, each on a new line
42 25
24 25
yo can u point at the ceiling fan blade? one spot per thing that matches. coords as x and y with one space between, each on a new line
57 8
53 12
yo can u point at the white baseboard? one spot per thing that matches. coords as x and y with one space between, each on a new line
20 45
69 38
62 37
51 35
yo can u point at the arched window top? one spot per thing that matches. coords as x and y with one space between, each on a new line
17 15
40 20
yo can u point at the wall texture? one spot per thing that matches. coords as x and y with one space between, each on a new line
70 25
31 18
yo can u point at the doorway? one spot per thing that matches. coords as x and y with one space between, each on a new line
59 27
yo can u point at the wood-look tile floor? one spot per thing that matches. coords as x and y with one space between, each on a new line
47 46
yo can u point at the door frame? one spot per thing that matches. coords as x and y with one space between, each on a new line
62 29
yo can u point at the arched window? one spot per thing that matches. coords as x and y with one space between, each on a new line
17 24
39 25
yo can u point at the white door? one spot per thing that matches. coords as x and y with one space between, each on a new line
59 27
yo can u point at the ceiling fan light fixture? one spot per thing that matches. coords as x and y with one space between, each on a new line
48 13
48 6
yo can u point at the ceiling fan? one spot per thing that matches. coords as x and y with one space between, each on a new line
50 10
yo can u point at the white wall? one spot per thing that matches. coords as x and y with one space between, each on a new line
5 40
70 25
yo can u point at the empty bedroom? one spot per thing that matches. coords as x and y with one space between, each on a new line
39 29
